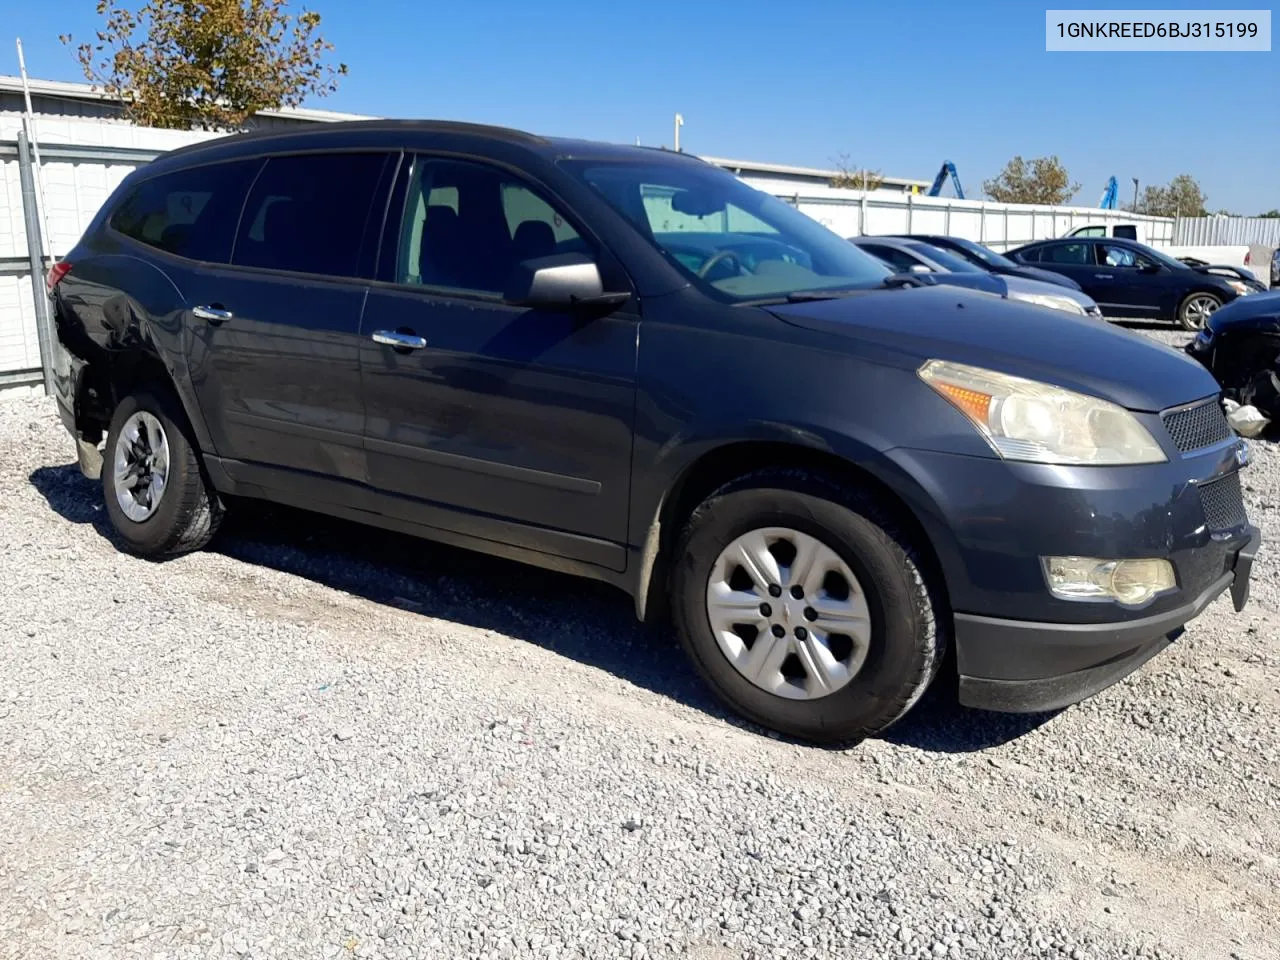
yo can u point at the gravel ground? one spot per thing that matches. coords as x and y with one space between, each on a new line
320 741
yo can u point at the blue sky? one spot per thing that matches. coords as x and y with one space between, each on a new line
897 87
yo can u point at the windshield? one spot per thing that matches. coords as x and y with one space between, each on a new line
948 261
982 254
735 242
1151 253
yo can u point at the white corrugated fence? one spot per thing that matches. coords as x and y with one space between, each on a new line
1236 231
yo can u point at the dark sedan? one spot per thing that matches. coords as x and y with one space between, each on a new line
987 259
1130 279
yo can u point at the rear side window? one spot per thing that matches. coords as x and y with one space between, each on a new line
1065 253
1091 232
191 213
896 258
1126 231
311 213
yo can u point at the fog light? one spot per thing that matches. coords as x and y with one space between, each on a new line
1130 582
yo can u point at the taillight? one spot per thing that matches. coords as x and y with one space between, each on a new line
56 273
1248 257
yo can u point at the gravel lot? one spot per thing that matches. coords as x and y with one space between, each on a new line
322 741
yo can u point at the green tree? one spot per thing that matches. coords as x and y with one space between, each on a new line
1273 214
850 177
1180 197
207 64
1044 180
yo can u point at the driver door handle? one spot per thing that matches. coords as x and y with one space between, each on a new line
401 341
215 315
1104 276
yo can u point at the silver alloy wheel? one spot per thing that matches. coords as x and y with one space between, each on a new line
1199 308
141 464
788 613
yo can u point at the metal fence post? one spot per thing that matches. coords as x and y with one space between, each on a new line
910 210
35 255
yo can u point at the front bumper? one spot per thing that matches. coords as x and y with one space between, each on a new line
1019 666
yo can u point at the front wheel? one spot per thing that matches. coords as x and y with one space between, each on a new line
1196 309
156 494
804 607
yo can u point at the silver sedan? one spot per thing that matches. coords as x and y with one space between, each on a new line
916 256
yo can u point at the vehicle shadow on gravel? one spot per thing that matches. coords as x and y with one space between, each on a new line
590 622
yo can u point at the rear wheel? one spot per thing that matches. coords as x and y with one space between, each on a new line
1196 310
155 490
804 607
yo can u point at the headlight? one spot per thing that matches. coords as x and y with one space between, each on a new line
1129 582
1048 300
1039 423
1240 287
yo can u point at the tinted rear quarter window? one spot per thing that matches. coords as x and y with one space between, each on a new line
191 213
311 213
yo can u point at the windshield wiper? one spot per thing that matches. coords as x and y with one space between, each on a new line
831 293
897 280
835 293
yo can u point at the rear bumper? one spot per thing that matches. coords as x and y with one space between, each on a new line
1018 666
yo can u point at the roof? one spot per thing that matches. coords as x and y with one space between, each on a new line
63 90
741 167
551 147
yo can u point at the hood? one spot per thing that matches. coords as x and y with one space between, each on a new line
1227 272
1044 276
1260 311
908 326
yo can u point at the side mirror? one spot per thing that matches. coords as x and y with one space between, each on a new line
560 282
918 268
1149 267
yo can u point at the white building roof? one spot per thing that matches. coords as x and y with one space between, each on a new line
63 90
815 174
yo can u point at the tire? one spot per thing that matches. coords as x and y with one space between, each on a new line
186 512
1196 308
907 621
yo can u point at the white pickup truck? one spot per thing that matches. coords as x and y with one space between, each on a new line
1216 255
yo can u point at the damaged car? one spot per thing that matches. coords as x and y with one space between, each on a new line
628 365
1240 346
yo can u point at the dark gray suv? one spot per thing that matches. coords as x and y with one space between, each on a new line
628 365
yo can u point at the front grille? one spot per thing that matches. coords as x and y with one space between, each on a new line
1223 503
1193 428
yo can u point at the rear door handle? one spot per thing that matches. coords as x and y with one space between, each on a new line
401 341
214 315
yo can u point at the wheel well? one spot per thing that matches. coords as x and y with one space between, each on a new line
108 378
725 464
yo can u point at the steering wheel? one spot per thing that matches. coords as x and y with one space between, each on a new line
720 257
